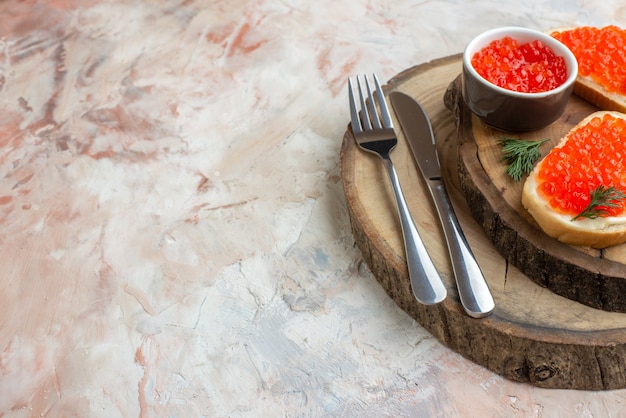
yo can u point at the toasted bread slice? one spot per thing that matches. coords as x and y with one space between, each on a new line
600 232
589 89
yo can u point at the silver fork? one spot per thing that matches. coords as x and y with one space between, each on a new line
380 139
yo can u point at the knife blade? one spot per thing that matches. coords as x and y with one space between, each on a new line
473 289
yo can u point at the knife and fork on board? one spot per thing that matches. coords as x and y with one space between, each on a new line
374 132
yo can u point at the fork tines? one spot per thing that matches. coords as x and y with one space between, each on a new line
369 116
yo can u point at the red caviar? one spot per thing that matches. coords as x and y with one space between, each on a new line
592 156
600 53
532 67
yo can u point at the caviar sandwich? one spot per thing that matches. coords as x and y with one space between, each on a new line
577 193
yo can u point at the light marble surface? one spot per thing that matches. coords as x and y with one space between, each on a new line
175 240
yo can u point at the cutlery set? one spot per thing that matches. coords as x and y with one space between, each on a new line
376 134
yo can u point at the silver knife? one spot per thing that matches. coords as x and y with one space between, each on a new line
474 292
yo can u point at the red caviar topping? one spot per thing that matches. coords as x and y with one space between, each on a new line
530 68
600 53
592 156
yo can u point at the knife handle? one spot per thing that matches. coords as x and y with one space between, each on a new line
425 280
474 292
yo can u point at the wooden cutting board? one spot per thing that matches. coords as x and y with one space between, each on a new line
534 335
594 277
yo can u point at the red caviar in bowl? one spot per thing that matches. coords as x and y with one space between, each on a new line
530 67
592 156
601 54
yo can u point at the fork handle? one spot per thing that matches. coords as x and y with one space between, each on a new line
474 292
425 280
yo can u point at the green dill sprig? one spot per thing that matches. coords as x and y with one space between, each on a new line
520 155
601 198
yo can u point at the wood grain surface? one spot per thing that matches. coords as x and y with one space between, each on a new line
594 277
534 335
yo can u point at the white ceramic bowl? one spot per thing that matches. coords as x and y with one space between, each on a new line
509 110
